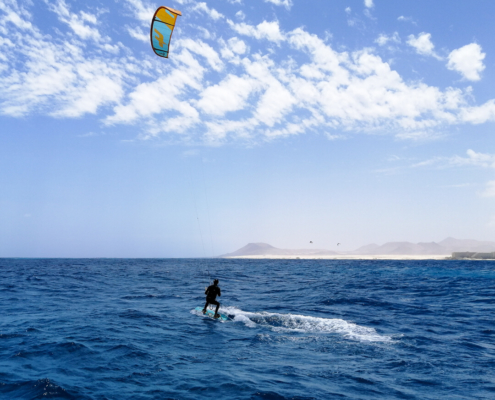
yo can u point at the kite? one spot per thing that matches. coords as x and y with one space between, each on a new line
162 26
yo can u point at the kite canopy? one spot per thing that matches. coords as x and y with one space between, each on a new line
162 26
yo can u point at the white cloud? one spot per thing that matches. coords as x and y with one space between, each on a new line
348 10
210 12
13 14
406 19
218 130
205 33
161 95
286 3
164 95
202 7
489 189
473 159
418 136
218 88
479 114
76 22
383 39
229 95
56 77
277 100
368 3
142 11
237 46
423 44
233 49
361 88
264 30
201 48
139 34
100 87
468 61
240 15
300 127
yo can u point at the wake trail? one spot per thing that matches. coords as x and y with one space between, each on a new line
303 324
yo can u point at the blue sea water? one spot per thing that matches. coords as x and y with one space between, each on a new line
298 329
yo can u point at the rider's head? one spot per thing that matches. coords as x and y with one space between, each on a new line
215 282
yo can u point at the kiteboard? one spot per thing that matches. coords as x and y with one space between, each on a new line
210 313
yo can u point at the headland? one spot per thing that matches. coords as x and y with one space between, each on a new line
447 249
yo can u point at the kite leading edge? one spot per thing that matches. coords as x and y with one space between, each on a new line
162 26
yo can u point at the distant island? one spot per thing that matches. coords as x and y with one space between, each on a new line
449 248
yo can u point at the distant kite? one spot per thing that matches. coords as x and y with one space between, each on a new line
310 242
162 26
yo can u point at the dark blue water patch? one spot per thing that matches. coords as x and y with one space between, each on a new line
298 329
39 389
10 335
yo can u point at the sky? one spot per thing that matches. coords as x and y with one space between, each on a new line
276 121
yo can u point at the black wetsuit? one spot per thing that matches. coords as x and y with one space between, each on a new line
211 294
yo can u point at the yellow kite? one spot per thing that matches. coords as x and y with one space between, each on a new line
162 26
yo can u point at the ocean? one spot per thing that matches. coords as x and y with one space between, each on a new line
297 329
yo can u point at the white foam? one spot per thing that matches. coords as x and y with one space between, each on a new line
305 324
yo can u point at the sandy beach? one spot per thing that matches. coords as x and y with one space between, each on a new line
345 257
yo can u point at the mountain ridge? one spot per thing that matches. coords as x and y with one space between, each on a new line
444 247
264 249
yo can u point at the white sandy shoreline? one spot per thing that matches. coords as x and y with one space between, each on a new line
343 257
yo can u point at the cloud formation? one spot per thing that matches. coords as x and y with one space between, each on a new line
141 10
489 191
423 44
468 61
285 3
56 77
253 82
473 159
264 30
83 24
368 3
384 39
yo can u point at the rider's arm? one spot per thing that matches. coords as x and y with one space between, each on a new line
219 292
207 290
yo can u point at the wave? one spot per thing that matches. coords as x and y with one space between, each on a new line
56 350
146 296
41 388
304 324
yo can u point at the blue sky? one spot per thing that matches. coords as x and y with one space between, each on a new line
278 121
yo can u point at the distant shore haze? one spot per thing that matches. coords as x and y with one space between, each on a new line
389 250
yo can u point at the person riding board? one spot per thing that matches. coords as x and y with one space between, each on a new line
212 292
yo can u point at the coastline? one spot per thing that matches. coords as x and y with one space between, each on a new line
344 257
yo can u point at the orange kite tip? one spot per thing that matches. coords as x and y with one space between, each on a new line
172 10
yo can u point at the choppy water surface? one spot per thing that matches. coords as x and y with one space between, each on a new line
319 329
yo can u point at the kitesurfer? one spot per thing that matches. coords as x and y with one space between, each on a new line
212 292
